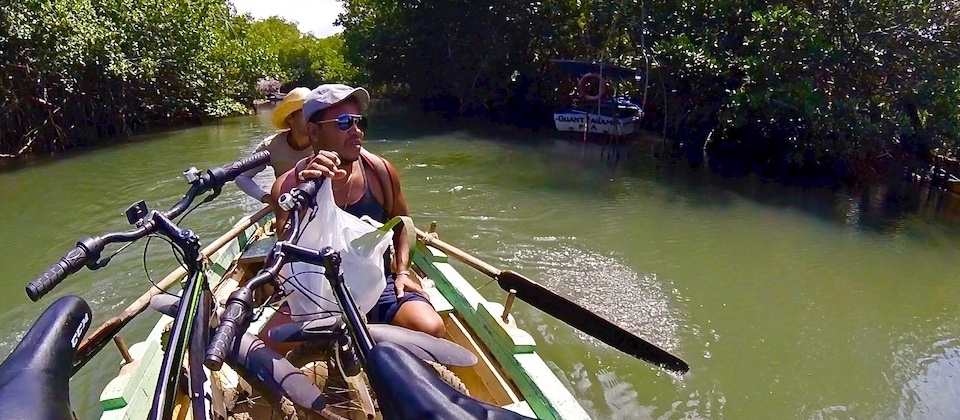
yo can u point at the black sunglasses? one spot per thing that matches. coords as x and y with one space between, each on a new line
345 121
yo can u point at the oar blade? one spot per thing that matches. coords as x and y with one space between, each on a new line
590 323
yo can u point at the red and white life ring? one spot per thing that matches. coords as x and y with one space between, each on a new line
582 87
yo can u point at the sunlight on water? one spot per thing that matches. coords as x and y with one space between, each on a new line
638 302
932 389
603 285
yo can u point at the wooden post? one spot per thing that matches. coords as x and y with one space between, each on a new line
124 351
508 305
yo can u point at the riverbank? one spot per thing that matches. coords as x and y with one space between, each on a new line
147 133
85 72
796 92
886 170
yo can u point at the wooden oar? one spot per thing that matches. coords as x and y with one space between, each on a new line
563 309
94 342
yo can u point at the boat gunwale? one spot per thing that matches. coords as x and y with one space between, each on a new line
540 390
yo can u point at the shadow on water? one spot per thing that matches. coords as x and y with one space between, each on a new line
878 208
118 143
573 166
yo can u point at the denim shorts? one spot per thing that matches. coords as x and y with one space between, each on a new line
388 305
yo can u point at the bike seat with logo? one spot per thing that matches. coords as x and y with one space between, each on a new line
35 377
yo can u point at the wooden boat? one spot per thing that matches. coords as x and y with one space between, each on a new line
509 373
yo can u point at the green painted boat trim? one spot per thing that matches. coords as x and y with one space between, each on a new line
142 381
513 348
121 391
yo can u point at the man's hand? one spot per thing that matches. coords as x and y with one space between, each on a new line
404 282
324 164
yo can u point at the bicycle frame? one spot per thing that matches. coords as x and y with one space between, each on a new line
190 327
236 317
191 324
189 331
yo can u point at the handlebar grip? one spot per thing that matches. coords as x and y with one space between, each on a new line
68 264
301 196
308 189
233 170
222 343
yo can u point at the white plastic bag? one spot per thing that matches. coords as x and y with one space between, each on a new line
361 248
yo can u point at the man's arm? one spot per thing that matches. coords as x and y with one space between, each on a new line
284 183
398 208
246 184
245 180
401 245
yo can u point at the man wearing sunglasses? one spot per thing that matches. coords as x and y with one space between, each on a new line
363 184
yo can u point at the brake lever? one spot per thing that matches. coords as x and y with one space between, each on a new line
96 265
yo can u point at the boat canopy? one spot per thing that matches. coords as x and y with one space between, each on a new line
610 71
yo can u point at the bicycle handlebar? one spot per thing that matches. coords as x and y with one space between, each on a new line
300 196
215 178
87 252
68 264
236 317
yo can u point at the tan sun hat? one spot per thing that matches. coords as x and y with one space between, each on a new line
290 104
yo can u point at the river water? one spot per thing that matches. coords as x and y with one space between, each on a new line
786 302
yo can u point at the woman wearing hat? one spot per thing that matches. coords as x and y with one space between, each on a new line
286 147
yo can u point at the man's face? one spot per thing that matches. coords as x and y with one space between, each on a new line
296 122
327 136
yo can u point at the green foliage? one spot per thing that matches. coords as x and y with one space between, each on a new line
785 82
75 71
301 59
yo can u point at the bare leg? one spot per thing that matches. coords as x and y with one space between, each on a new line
420 316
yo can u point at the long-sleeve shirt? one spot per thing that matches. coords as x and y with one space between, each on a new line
282 159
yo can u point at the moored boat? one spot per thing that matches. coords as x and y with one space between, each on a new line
598 113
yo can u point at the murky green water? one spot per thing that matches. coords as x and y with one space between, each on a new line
787 303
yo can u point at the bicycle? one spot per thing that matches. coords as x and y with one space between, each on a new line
189 327
392 361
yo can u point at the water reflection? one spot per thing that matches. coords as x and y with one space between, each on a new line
879 208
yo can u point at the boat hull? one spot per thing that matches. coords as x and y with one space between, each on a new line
580 121
509 374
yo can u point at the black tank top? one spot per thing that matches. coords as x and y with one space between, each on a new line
367 204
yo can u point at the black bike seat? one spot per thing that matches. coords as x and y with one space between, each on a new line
323 329
35 377
406 388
